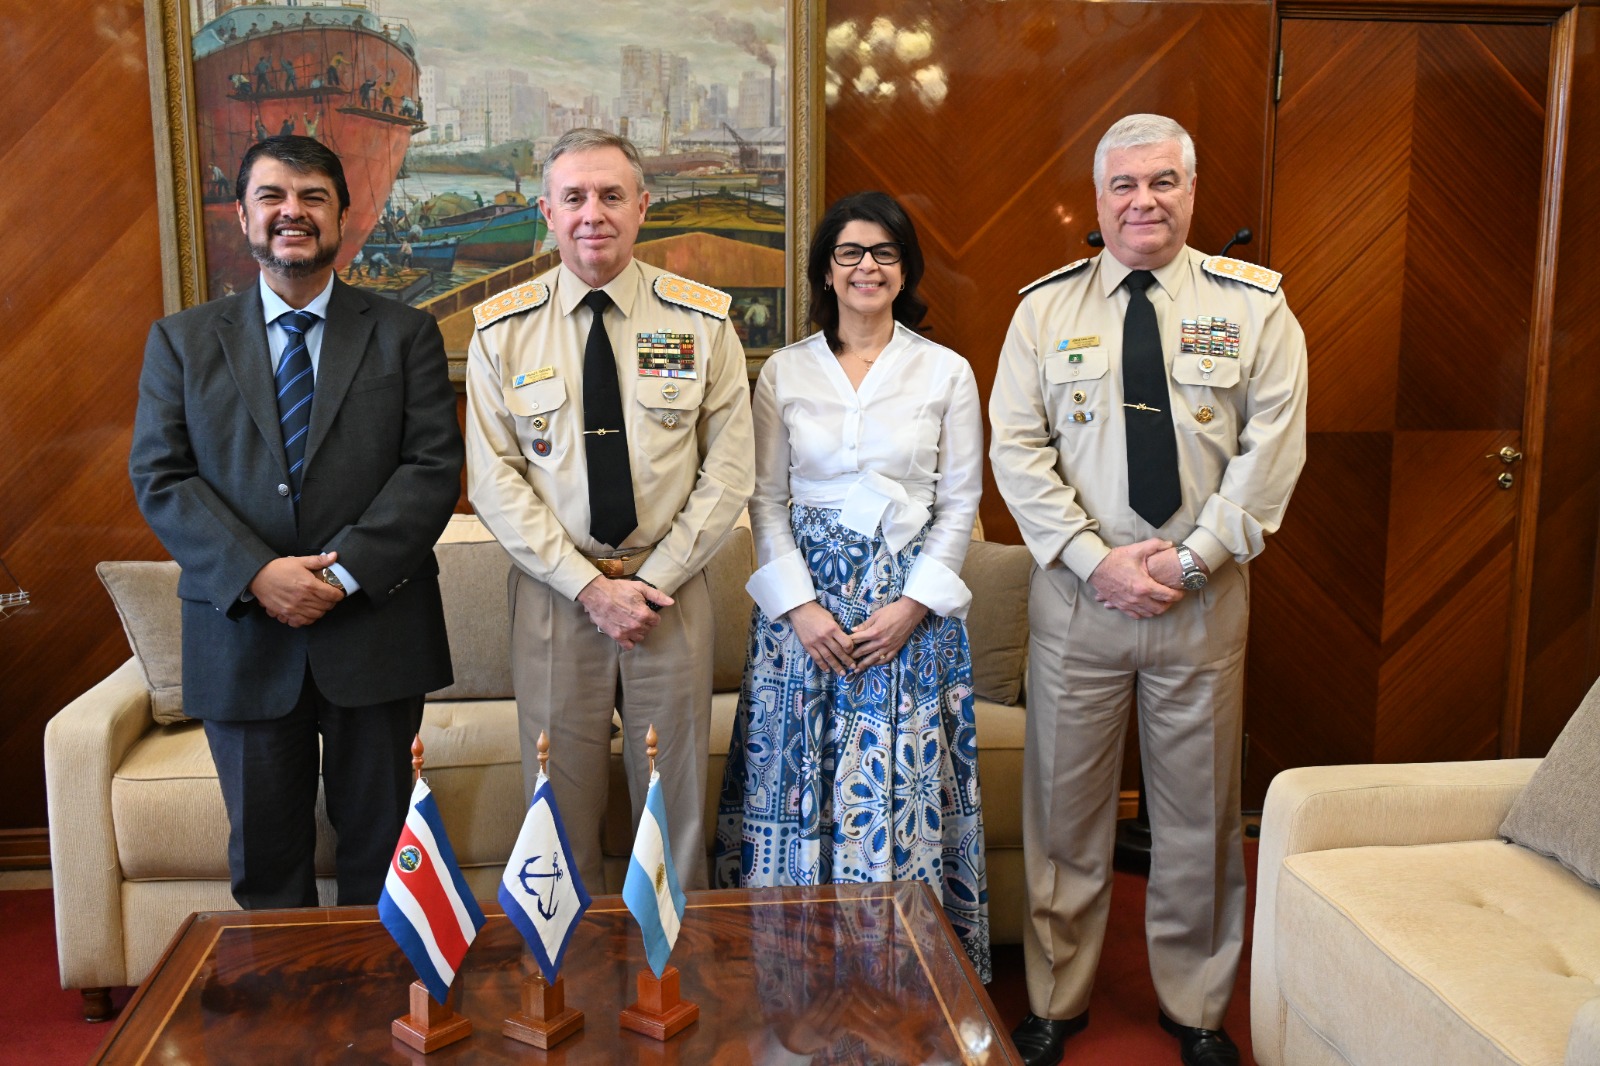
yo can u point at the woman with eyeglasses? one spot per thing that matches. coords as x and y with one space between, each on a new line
854 755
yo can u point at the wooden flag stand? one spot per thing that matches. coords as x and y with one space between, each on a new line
430 1025
545 1019
659 1011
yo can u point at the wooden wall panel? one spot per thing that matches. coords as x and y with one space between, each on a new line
81 285
1563 652
996 172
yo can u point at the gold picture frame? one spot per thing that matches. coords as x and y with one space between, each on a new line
186 182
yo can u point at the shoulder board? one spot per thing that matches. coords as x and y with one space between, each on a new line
524 297
1239 270
693 295
1053 275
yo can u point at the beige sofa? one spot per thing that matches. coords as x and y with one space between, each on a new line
1394 926
137 829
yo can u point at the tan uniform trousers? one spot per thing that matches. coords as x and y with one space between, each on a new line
1187 666
568 676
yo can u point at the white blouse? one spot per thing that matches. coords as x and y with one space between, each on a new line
907 445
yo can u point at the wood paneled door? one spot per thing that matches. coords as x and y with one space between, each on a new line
1405 216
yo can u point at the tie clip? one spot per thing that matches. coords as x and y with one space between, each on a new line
600 432
1143 407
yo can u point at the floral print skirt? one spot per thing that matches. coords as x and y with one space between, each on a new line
872 777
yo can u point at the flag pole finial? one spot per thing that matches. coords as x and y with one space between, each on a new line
544 752
650 746
416 758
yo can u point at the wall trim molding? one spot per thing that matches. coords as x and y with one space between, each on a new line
24 849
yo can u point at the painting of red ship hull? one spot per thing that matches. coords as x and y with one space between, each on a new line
344 75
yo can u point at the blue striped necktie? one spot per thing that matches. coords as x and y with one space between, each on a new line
295 385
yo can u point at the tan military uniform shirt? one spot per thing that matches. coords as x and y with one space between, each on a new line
1059 449
689 438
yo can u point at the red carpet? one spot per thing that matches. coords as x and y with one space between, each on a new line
42 1025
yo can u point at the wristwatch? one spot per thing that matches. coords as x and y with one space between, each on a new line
1194 578
330 578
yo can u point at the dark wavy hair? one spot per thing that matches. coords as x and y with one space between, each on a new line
883 209
303 155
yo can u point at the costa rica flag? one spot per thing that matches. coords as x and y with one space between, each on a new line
426 904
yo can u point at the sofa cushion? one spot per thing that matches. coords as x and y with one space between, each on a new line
146 597
726 575
1558 813
472 583
997 623
168 779
1486 951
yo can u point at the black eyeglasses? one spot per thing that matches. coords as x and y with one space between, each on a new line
848 255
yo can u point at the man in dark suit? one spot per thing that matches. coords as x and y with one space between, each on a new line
296 449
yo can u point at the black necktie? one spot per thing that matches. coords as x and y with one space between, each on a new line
295 385
1153 490
611 513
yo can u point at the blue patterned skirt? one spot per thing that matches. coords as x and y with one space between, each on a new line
872 777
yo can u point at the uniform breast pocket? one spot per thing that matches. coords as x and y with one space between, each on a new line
1078 391
673 404
1207 395
540 411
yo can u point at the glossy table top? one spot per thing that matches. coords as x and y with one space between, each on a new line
838 974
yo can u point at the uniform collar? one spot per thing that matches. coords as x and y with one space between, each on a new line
623 289
1170 277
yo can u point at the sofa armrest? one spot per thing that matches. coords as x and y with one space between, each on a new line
83 746
1319 808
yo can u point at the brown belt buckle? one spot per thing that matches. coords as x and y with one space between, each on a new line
613 568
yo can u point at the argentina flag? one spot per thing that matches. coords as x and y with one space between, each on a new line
426 904
651 890
540 890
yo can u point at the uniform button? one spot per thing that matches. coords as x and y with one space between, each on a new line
283 490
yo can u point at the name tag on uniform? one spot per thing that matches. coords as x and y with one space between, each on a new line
1079 342
538 375
666 355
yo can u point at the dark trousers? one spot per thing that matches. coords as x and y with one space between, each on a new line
268 770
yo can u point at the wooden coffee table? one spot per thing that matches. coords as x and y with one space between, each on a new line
845 973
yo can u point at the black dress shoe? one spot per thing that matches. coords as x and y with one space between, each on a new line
1202 1047
1039 1039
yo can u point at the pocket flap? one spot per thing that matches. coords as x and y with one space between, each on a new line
538 398
1191 370
679 394
1086 364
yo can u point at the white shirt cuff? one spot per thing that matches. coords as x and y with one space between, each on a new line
937 587
782 585
347 579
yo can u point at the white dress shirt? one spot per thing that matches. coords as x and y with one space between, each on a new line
906 446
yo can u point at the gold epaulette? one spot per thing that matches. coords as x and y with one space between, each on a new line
1239 270
524 297
693 295
1053 275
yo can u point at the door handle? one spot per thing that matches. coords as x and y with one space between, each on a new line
1507 455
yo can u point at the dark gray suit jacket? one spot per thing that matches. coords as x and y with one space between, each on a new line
383 470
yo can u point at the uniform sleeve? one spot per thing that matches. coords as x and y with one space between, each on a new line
1254 493
726 476
782 580
935 578
1026 467
497 481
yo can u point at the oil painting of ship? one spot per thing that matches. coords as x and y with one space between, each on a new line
344 74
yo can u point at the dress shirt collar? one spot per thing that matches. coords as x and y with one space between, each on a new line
1169 277
623 289
274 306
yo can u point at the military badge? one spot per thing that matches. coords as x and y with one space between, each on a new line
666 355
